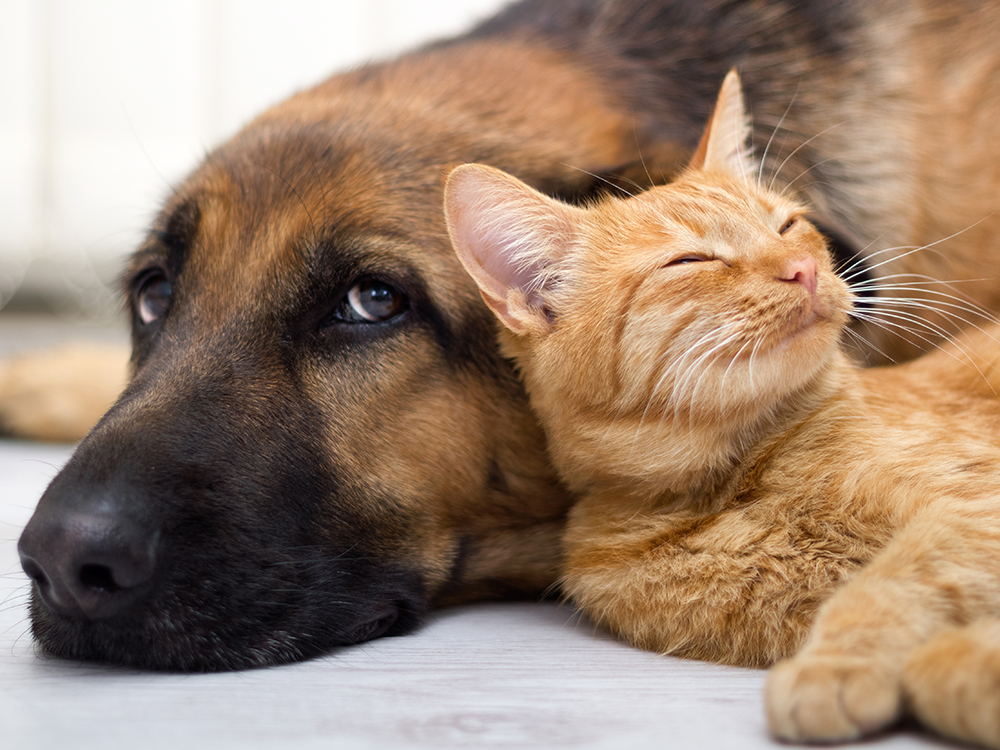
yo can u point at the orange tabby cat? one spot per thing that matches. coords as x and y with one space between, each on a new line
747 494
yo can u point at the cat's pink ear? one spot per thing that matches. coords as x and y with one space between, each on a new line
508 236
725 143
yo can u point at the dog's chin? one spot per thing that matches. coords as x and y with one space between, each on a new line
167 643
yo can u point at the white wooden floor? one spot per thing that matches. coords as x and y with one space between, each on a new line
485 676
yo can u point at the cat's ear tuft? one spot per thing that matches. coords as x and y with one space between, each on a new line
508 236
725 144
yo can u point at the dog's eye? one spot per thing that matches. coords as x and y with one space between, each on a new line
371 301
153 298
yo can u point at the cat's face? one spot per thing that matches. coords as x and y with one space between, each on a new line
699 298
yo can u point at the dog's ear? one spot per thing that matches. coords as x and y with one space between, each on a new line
724 145
509 237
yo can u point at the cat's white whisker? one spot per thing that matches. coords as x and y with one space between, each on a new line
953 308
913 318
774 132
895 315
863 255
930 299
697 364
801 174
753 356
797 149
914 282
946 309
734 360
652 397
861 339
969 358
910 250
706 369
911 325
679 372
683 369
913 249
642 160
858 267
606 181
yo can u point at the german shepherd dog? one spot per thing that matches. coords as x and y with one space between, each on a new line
319 440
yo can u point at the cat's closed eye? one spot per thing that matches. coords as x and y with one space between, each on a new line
788 225
684 259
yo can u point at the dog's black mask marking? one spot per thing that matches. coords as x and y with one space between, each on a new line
208 540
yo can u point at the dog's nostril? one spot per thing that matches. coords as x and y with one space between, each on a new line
89 565
34 572
99 577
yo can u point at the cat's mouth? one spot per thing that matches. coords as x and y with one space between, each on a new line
817 320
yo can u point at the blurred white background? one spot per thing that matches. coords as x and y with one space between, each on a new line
105 103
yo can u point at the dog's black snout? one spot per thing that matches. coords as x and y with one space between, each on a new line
88 564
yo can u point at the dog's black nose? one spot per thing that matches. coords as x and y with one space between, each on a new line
89 564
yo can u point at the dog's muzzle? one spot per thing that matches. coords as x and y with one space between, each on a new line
166 543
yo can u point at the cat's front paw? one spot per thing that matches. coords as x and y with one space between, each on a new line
951 683
830 698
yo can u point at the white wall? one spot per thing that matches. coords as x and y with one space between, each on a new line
104 103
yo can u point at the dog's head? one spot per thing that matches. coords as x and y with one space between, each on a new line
319 439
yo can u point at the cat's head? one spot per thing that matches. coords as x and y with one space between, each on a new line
705 303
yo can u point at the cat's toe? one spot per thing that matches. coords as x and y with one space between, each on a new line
830 698
952 683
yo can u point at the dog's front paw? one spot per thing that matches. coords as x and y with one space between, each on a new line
830 698
60 394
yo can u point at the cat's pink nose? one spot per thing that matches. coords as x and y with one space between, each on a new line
803 271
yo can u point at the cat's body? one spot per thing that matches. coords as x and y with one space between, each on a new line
736 575
747 493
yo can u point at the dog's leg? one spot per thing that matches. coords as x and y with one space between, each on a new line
59 394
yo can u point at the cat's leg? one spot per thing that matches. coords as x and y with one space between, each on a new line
940 571
733 587
952 683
